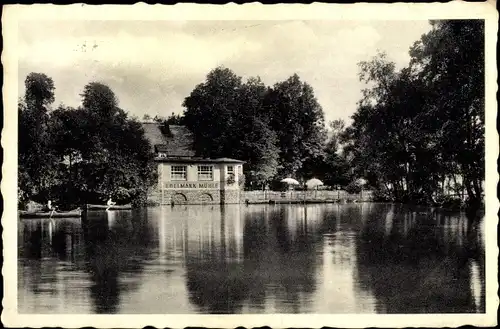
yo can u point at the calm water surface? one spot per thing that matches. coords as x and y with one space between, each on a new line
354 258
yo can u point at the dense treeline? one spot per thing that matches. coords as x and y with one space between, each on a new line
279 131
83 155
416 136
419 132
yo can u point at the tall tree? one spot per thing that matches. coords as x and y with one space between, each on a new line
337 128
209 112
35 156
390 138
39 91
419 127
116 154
298 119
252 137
450 61
332 166
81 155
227 118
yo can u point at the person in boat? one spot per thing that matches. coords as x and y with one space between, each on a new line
50 207
110 203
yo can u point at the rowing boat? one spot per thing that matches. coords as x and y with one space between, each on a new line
104 207
48 214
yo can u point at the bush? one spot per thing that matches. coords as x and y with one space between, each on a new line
122 195
382 195
152 203
231 179
241 180
417 198
140 200
449 202
353 188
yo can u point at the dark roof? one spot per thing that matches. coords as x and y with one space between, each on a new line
199 160
153 133
177 144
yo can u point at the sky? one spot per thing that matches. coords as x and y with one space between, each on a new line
153 65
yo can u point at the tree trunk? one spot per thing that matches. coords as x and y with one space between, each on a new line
477 188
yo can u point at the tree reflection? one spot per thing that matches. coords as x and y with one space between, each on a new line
111 252
32 238
278 264
215 279
420 265
281 259
44 246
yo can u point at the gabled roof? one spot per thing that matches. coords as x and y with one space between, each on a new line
179 143
153 133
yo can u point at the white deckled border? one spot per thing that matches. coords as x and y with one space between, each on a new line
13 14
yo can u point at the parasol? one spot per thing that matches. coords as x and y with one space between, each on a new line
313 182
290 181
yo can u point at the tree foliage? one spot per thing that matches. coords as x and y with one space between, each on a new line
35 156
228 119
420 128
298 119
90 153
276 130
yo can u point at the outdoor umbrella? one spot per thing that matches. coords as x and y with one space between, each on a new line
290 181
312 183
362 182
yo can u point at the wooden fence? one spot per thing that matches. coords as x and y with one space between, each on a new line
260 196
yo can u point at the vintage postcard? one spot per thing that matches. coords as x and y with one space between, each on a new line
250 165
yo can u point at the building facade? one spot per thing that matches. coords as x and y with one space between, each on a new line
184 178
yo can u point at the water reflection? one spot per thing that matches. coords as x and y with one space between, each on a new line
426 256
354 258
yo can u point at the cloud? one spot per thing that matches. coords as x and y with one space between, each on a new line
153 66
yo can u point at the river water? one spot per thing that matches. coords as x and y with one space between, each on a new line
352 258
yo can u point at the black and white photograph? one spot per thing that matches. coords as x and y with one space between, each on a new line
252 165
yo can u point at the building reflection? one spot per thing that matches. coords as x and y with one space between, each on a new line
352 258
238 263
207 241
337 286
282 264
117 244
428 258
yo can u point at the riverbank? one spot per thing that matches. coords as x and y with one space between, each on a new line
320 196
298 201
305 197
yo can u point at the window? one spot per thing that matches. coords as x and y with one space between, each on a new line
205 173
178 173
230 175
